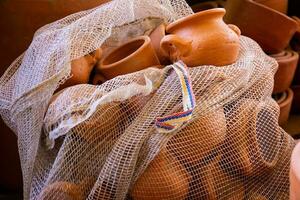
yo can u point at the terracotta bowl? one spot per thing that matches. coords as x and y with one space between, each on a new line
296 100
164 178
61 190
134 55
271 29
156 35
295 174
279 5
285 103
287 63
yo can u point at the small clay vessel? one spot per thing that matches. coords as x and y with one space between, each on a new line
271 29
287 64
279 5
135 55
81 69
285 104
202 39
156 35
188 144
295 174
164 178
61 190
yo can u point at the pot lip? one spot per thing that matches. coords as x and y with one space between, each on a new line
286 99
174 24
146 42
289 55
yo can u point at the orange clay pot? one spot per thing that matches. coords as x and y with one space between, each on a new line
202 39
164 178
81 69
188 146
287 64
156 36
279 5
61 190
135 55
295 174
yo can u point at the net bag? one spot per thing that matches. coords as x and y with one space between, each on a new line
174 133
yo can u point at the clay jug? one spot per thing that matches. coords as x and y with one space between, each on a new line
202 39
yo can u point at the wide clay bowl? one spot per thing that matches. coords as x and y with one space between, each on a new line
156 36
271 29
295 174
279 5
134 55
285 104
61 190
287 64
164 178
81 69
202 39
296 100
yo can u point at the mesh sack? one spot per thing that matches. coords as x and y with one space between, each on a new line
103 142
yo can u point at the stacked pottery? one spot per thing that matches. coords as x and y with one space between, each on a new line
266 22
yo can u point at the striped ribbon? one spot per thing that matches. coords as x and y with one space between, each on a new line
172 122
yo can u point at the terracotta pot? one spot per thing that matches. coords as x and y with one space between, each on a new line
61 190
244 149
296 100
285 103
135 55
204 6
279 5
202 39
81 69
164 178
287 63
212 182
188 146
156 35
271 29
295 174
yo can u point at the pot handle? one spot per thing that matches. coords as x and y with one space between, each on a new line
175 47
235 29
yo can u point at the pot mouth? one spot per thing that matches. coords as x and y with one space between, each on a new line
178 22
124 52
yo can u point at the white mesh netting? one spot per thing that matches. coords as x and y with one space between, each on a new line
100 142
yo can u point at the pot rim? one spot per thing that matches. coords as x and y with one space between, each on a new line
286 99
288 56
146 41
174 24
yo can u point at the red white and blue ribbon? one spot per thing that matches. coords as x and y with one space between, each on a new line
171 122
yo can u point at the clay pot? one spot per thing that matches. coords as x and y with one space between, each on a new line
164 178
188 144
271 29
279 5
285 103
81 69
212 182
61 190
156 35
204 6
202 39
135 55
296 100
295 174
287 63
244 149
